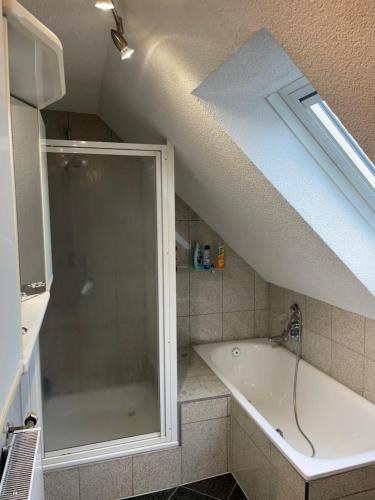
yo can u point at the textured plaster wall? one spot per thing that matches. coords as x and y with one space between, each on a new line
236 98
331 41
177 44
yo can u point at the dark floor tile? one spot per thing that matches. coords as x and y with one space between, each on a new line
183 493
237 494
158 495
217 487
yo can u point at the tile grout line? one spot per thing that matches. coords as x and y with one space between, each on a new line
222 307
200 492
190 259
235 485
173 492
132 464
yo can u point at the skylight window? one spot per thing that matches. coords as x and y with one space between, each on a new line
349 145
329 142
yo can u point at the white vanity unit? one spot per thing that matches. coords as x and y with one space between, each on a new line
31 77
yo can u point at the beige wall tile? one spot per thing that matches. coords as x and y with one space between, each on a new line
251 428
190 364
204 449
156 471
369 380
206 292
337 485
347 367
182 292
318 317
183 253
370 338
276 299
294 298
285 475
206 328
238 325
232 259
261 292
88 127
202 387
365 495
277 323
208 409
348 329
111 479
182 209
280 490
238 289
183 331
261 323
370 477
317 350
250 467
61 484
56 123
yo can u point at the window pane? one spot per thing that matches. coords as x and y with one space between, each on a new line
347 143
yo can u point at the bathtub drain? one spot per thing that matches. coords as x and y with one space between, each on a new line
236 352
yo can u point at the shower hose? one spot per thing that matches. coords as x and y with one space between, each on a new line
298 357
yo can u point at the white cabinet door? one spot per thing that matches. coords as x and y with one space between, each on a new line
10 323
45 204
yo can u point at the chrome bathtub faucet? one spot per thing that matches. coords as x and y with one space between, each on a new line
293 328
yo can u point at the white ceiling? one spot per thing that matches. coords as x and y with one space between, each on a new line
178 43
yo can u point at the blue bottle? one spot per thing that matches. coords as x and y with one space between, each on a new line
198 258
207 257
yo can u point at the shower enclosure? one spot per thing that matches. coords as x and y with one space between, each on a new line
108 339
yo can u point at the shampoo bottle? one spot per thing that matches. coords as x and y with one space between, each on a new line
220 257
198 260
207 257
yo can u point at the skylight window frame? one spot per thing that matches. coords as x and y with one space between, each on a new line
292 103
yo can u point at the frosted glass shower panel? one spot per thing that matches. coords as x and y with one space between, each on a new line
99 344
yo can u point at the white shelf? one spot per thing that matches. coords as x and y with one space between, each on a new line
32 314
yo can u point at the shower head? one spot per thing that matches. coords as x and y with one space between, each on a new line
74 162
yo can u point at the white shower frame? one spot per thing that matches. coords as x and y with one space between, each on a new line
165 200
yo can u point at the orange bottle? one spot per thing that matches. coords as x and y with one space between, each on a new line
220 257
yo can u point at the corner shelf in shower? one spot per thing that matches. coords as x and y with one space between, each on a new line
32 314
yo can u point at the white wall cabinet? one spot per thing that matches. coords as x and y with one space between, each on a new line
25 239
10 313
33 222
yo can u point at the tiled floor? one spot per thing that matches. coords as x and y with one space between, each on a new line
222 487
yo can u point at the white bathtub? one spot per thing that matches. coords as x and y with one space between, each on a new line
339 422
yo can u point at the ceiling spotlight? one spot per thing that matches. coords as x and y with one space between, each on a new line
104 4
118 33
121 44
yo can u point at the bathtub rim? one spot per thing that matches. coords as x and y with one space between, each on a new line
309 468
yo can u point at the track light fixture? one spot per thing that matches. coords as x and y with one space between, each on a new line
118 33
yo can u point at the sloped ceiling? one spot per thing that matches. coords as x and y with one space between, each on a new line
148 98
178 44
